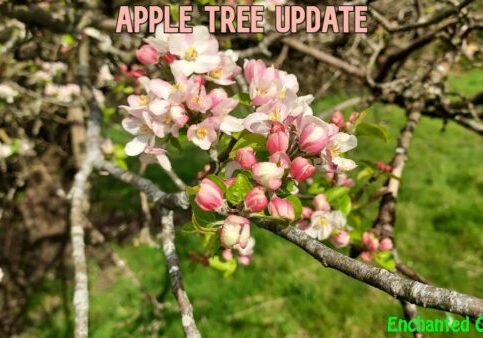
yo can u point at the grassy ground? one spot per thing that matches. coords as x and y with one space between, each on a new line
285 293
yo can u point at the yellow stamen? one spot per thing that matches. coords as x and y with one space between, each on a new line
275 115
190 54
143 100
282 94
144 129
216 73
201 132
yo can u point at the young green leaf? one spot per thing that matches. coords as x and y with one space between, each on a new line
247 139
296 204
372 129
238 190
227 267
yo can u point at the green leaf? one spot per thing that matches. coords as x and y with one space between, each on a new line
68 40
238 190
201 218
243 99
315 189
386 260
297 205
373 130
335 193
227 267
344 204
218 181
247 139
361 117
365 173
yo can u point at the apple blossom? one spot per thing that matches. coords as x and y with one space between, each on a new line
301 169
256 200
245 254
202 134
235 231
340 143
320 203
197 51
210 196
338 119
313 135
156 154
366 256
340 239
246 157
227 69
268 174
322 223
386 244
370 241
147 55
277 142
279 207
281 159
306 212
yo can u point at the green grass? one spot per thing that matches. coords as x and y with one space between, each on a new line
285 293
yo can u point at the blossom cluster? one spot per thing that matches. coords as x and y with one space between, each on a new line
185 103
292 145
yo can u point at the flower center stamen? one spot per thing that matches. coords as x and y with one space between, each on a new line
201 132
143 100
190 54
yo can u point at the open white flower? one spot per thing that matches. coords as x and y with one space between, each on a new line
197 52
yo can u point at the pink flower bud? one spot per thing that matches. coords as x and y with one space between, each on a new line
338 119
253 68
277 142
354 116
217 95
276 127
235 230
227 254
229 182
301 169
268 174
281 159
340 239
306 212
366 256
386 245
169 58
320 203
256 200
303 224
147 55
210 196
313 138
246 157
244 260
279 207
370 241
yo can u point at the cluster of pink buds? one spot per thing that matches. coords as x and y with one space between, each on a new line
372 244
339 120
383 167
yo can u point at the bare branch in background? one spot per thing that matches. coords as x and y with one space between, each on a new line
80 201
172 260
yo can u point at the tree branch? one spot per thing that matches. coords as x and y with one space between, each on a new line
169 250
175 200
396 286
